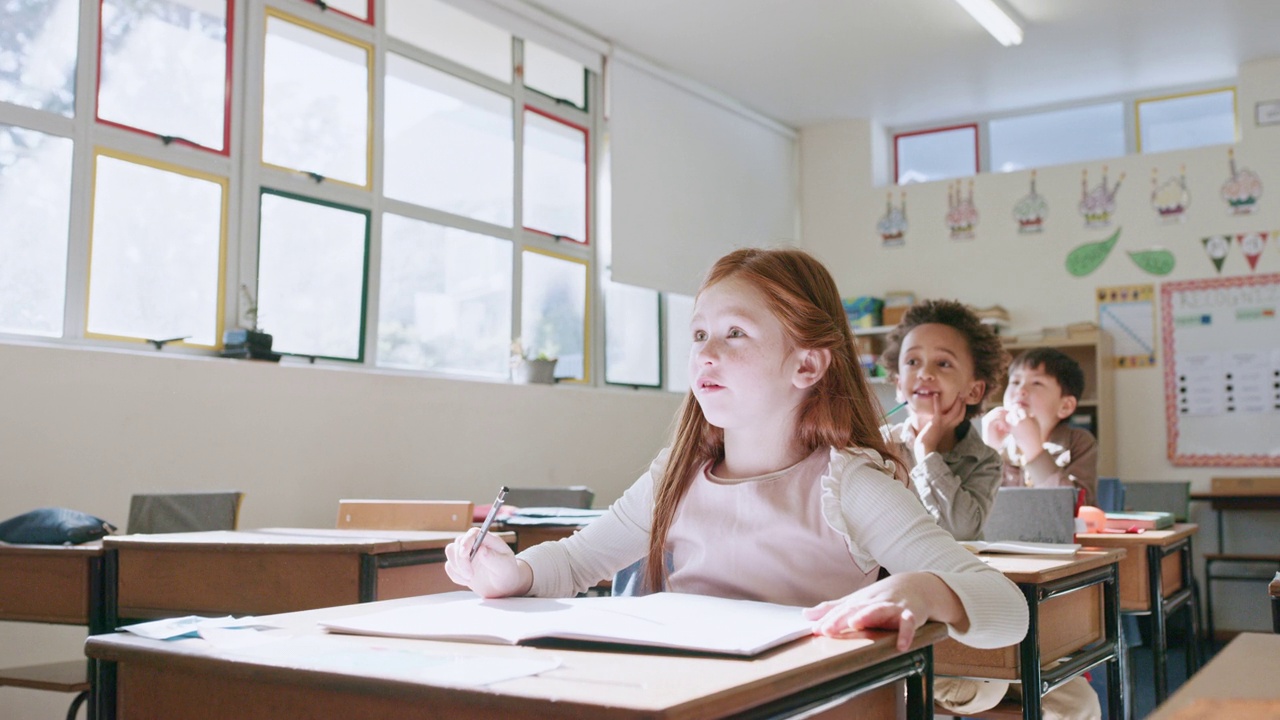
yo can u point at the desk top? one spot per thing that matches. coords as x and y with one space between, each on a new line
1167 536
587 682
287 540
1036 569
1243 672
90 549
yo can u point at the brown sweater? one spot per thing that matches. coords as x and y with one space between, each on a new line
1070 459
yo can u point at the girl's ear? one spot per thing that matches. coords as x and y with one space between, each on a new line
976 392
813 365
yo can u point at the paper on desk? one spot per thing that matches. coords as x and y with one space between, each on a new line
552 516
1020 547
328 653
170 628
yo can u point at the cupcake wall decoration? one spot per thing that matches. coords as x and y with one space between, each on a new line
1242 190
1097 204
893 225
1030 212
962 216
1170 198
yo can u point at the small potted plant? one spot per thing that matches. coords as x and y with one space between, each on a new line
532 367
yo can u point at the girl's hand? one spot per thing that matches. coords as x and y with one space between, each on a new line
995 427
900 602
493 572
942 422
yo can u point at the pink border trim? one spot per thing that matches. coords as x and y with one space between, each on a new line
1170 372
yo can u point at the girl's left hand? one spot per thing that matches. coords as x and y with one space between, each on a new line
899 602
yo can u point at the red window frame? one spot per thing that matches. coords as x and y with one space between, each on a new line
586 158
325 7
226 96
930 131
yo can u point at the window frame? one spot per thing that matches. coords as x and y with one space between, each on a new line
977 145
1140 101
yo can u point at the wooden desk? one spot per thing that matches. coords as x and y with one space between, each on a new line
192 680
1074 624
57 584
1238 683
1155 579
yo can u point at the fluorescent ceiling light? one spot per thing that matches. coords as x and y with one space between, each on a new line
995 19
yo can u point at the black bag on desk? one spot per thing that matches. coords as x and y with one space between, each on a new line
54 526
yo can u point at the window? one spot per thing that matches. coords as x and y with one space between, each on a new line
938 154
38 54
315 102
358 9
311 270
449 144
155 252
440 28
1057 137
164 69
445 299
555 75
554 310
35 210
1186 121
555 176
679 342
631 352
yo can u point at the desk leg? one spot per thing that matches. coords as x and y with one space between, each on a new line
920 687
102 704
1117 666
1194 657
1029 656
1159 642
97 626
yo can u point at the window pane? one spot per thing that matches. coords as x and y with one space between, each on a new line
311 260
38 54
555 177
679 341
35 209
445 299
155 253
1053 138
553 303
164 68
453 34
553 74
631 335
449 143
358 9
937 154
1186 122
315 114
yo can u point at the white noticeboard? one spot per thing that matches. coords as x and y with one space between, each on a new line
1222 370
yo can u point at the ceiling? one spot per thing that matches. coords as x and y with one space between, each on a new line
908 63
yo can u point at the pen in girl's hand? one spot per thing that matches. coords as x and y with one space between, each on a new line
895 409
488 520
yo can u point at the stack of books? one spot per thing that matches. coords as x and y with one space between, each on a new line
1140 520
242 343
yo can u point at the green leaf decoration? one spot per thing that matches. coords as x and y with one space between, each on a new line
1156 262
1090 256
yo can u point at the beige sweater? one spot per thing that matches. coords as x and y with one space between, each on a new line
846 497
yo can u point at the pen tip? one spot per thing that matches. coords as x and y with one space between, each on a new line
504 488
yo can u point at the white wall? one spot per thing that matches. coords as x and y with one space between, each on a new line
87 428
1026 273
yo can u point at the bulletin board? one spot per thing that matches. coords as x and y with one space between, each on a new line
1222 370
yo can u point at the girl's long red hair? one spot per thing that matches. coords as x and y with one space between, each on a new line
840 410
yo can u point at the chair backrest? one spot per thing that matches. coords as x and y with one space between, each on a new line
454 515
1032 515
184 512
1110 494
577 496
1173 497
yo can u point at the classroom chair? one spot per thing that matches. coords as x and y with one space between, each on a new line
577 496
151 513
450 515
1110 494
148 513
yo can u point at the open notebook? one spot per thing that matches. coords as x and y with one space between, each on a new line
1019 547
696 623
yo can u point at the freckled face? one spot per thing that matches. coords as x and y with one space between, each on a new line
935 365
741 364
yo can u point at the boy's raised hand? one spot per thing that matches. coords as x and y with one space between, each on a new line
995 427
944 421
1026 433
493 572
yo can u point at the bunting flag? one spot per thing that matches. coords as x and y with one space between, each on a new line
1217 247
1252 244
